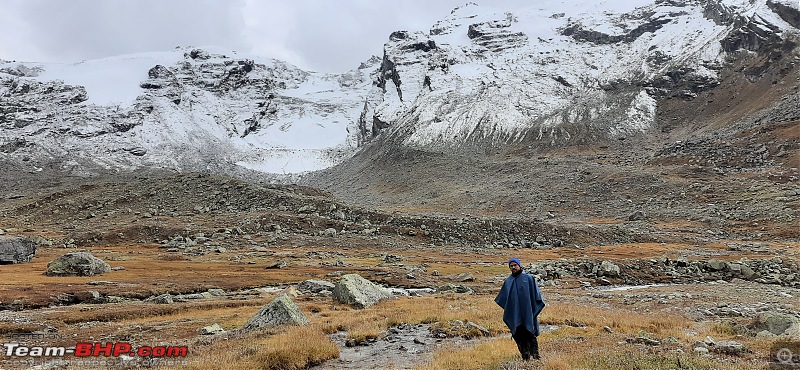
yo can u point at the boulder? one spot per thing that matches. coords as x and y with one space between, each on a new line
280 311
16 250
165 298
716 264
774 322
637 216
77 263
316 287
742 270
447 288
464 277
701 351
212 329
354 290
91 296
606 268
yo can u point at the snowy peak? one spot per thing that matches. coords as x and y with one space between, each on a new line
563 73
187 109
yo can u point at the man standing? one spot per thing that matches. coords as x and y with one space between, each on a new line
521 301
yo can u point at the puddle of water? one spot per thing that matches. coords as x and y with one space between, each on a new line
272 289
402 347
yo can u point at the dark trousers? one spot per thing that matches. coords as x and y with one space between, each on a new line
527 343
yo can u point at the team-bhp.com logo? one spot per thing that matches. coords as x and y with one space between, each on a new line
95 354
118 349
96 350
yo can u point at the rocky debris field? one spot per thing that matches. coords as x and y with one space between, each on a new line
199 214
107 248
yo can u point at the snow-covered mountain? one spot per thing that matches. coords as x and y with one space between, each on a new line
554 73
564 71
186 109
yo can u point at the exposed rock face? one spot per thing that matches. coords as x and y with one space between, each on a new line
354 290
77 263
280 311
787 13
495 35
16 250
577 32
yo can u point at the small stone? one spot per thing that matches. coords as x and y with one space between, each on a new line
212 329
702 351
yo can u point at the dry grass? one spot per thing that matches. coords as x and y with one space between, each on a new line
12 328
641 357
149 271
371 322
297 347
485 355
577 353
134 311
581 343
617 319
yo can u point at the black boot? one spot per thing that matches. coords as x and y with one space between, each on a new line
534 347
522 341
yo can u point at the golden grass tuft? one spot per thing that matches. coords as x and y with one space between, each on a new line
618 319
13 328
141 310
484 355
371 322
295 347
590 347
634 358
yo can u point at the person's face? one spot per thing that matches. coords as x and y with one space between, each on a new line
514 267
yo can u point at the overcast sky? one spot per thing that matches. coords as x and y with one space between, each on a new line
318 35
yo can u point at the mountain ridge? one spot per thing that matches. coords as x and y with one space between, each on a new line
681 110
559 74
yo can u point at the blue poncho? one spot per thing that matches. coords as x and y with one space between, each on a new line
521 301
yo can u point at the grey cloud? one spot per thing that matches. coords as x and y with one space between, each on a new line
323 35
88 29
335 36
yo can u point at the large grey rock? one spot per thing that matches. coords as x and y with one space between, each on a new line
742 270
280 311
606 268
354 290
316 286
716 264
464 277
449 287
775 322
748 273
91 296
165 298
77 263
16 250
